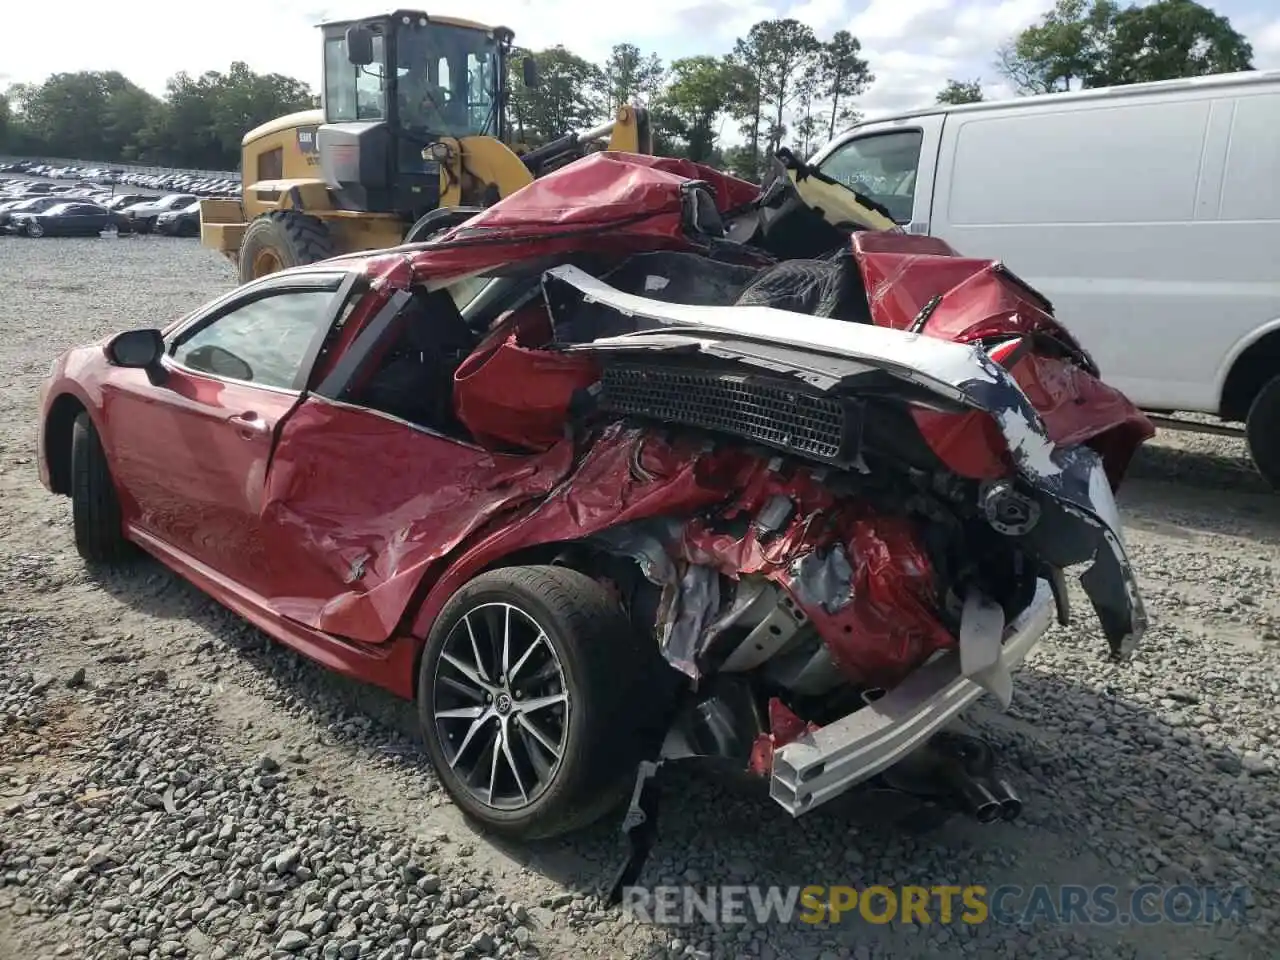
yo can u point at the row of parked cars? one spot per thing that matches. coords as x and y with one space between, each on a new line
39 209
176 182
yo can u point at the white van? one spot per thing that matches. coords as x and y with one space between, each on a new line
1148 214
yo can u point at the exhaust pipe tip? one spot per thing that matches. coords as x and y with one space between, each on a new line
978 799
1010 802
989 812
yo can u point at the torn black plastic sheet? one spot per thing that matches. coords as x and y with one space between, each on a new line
690 599
1083 523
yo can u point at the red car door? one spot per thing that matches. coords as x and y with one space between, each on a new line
191 453
361 505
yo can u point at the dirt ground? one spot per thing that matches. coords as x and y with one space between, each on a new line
1161 770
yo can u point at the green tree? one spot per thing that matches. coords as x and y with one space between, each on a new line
207 116
805 126
961 91
769 63
1096 43
627 75
745 103
88 115
1070 45
742 161
843 74
6 120
565 99
1174 38
786 50
694 98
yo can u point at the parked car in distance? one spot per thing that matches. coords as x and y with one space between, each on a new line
122 200
27 205
72 219
180 223
573 496
1149 214
142 216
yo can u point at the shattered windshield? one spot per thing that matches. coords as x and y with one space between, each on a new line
447 79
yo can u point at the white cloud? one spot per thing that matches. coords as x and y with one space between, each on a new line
1266 46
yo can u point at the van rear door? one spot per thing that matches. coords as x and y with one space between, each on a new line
1106 204
891 162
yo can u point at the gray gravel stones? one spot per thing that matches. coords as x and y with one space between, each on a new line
171 785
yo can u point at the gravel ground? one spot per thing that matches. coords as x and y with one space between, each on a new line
174 785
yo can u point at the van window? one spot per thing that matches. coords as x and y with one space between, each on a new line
881 166
1124 164
1251 182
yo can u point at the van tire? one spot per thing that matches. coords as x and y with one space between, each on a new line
1262 430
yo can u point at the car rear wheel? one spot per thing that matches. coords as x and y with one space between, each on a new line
95 507
1262 429
531 698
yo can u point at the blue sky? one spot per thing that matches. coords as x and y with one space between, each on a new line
913 45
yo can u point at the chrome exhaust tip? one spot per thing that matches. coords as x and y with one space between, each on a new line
1010 802
976 797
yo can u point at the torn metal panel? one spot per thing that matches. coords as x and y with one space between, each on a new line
1063 476
347 557
574 295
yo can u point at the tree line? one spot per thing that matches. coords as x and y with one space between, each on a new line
780 84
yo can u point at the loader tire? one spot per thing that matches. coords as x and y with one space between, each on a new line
282 239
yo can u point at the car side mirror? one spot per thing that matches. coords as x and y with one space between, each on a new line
359 45
530 68
139 349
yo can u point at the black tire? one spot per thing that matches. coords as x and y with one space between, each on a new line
602 674
143 225
95 508
1262 429
439 221
293 238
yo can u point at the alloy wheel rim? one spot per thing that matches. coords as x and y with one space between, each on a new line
501 706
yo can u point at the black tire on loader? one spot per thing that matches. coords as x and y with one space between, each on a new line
282 239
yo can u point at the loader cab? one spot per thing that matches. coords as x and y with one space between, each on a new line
393 86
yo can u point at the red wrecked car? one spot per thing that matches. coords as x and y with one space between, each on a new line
643 462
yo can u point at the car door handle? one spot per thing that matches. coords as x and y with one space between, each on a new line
249 425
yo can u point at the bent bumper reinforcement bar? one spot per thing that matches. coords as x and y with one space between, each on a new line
825 763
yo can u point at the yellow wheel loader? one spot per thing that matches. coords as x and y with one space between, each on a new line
412 137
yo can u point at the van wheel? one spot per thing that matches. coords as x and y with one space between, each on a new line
530 700
95 508
1262 429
